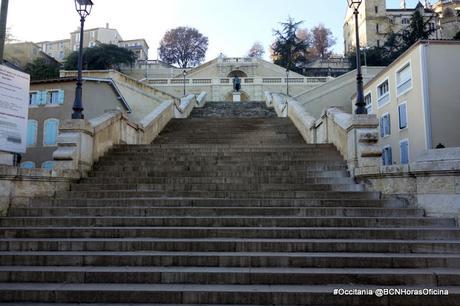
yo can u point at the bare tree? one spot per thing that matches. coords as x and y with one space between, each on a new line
183 46
257 50
322 41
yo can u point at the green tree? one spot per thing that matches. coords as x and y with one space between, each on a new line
289 49
457 36
101 57
396 43
183 46
40 69
419 28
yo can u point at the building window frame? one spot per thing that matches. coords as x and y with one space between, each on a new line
400 123
406 85
383 99
368 95
385 125
46 132
36 98
404 162
387 155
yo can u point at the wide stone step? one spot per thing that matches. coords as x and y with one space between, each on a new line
217 180
341 172
231 245
232 232
217 211
219 187
231 259
186 167
215 294
432 277
200 202
220 194
239 221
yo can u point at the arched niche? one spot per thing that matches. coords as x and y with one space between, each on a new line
237 73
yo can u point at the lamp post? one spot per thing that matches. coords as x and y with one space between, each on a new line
184 73
287 82
360 104
83 8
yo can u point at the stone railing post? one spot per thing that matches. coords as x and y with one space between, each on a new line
75 146
363 142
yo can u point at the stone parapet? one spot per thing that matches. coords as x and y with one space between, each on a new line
431 183
18 185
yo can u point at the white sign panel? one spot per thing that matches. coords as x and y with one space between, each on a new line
14 107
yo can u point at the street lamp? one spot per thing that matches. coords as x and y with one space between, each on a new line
360 104
287 82
184 73
83 8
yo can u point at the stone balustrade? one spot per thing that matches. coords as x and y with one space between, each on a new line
355 136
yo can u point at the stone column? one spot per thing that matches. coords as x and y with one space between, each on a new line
363 142
75 146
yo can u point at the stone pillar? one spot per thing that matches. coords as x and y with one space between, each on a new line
363 142
75 146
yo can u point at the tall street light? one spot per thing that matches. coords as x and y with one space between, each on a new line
83 8
184 74
287 82
360 104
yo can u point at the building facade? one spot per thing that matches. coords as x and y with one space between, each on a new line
449 17
21 54
58 49
138 46
416 99
50 103
376 21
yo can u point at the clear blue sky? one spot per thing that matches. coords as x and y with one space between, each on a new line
232 26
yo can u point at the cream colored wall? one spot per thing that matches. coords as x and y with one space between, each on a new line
415 131
444 93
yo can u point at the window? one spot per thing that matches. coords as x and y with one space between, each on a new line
387 156
376 9
402 111
368 101
404 80
377 28
93 34
91 44
33 98
32 127
404 151
52 97
383 92
405 20
51 128
385 125
28 165
48 165
61 55
378 42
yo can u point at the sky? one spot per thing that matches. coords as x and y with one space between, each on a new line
231 26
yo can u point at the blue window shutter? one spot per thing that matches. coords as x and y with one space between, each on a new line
31 133
402 116
404 152
382 127
51 132
390 156
28 165
60 97
387 125
48 165
42 95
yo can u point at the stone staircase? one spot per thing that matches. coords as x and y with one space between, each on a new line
222 210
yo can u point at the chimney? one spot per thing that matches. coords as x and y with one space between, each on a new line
403 4
107 25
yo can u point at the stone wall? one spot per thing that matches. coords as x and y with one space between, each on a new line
431 183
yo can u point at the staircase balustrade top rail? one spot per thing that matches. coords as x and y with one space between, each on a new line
228 81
